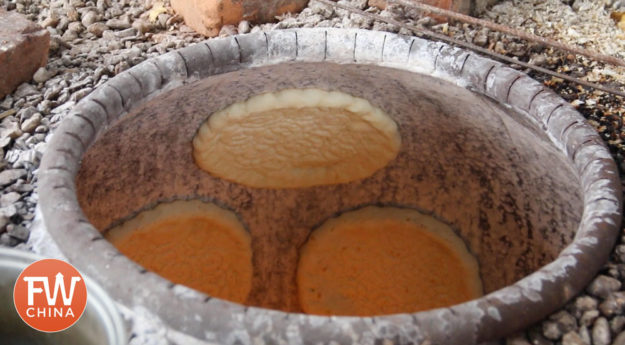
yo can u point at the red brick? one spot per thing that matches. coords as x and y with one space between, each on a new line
24 48
208 16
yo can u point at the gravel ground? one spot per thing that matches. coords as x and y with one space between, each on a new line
94 40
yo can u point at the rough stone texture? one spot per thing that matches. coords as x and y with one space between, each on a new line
479 6
601 332
620 339
208 16
603 286
572 338
535 114
472 7
614 304
9 176
23 49
462 6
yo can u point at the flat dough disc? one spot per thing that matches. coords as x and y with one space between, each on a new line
296 138
191 243
377 261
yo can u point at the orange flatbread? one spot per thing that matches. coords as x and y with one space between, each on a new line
377 261
191 243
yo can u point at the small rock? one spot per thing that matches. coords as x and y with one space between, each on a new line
89 18
10 129
132 53
42 75
480 39
4 142
500 48
103 5
24 188
99 72
621 270
75 27
582 304
572 338
17 231
51 21
517 49
620 339
603 285
4 221
26 113
537 338
9 176
69 36
30 124
56 42
614 304
80 94
539 60
426 22
8 241
142 26
601 332
53 92
25 90
72 15
126 33
109 35
63 23
8 211
120 67
115 11
585 334
619 253
589 317
551 330
118 24
565 321
7 103
227 30
162 20
517 340
97 29
244 27
9 198
617 324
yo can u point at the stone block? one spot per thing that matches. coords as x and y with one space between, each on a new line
24 48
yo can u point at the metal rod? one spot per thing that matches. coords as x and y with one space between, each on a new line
441 37
508 30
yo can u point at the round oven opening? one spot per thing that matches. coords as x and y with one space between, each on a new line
489 173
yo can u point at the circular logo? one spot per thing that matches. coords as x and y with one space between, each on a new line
50 295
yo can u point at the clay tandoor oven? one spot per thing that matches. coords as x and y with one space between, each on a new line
512 168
